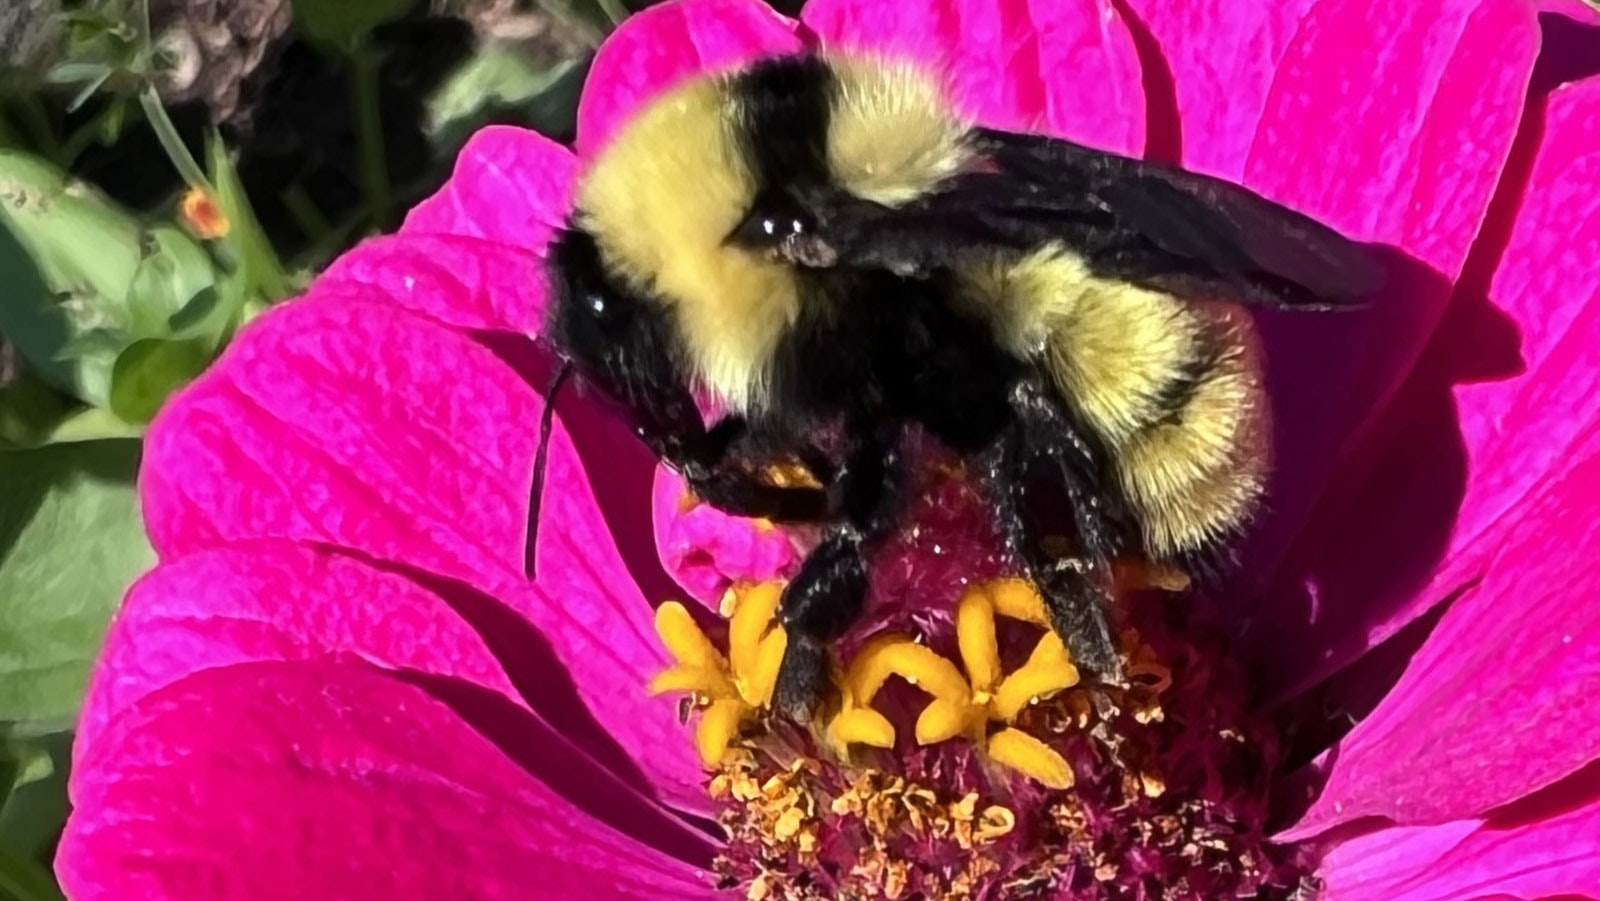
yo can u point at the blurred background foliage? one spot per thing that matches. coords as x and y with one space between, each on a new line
168 170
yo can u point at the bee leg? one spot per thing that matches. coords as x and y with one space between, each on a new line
828 593
1040 466
823 599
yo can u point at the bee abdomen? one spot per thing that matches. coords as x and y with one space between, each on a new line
1173 391
1195 472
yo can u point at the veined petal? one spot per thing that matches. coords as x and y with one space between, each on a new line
357 425
465 282
658 48
472 254
335 780
1551 856
275 600
510 186
1067 68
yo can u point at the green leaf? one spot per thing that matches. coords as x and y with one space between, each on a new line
149 370
172 271
32 817
342 22
71 542
501 84
81 278
23 880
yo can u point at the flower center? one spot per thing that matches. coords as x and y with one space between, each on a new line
961 754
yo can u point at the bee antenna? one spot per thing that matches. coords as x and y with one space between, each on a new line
540 457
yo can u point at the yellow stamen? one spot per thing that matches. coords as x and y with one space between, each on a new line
995 822
861 725
980 651
943 720
756 686
683 638
718 727
1032 757
752 617
1018 599
1049 651
900 656
1032 680
964 706
737 686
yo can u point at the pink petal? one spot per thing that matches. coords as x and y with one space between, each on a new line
283 780
1500 700
466 282
352 424
1483 424
1067 68
1209 79
273 600
510 186
472 254
660 47
1506 857
707 551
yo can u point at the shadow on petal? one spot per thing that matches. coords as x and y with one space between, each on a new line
544 752
1509 356
605 445
532 666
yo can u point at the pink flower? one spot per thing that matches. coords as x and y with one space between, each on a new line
338 682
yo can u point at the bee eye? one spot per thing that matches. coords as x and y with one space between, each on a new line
597 302
773 218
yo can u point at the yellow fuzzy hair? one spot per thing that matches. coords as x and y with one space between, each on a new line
1111 348
669 187
659 199
893 135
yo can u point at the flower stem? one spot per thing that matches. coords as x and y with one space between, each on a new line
369 133
167 134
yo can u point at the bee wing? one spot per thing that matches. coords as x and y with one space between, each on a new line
1190 234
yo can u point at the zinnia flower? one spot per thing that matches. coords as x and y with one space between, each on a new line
339 683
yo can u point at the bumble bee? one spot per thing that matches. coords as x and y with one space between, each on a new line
825 245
